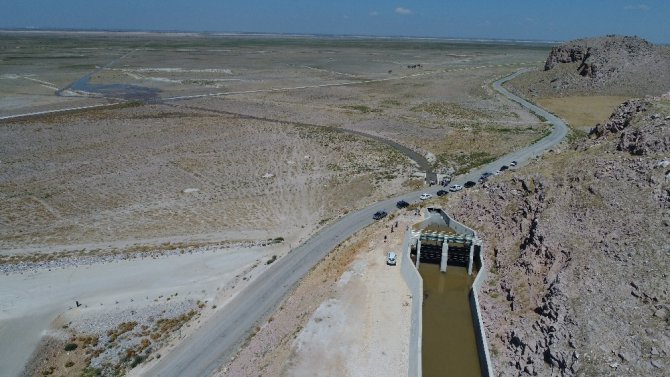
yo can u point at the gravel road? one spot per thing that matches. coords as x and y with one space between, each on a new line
217 340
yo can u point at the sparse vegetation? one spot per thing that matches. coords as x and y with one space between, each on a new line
465 162
391 103
362 108
453 110
70 347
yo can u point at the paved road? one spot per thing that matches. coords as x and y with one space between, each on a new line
216 340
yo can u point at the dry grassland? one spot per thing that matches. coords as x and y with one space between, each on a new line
126 174
582 112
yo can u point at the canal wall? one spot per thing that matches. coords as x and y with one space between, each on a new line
455 225
415 285
475 309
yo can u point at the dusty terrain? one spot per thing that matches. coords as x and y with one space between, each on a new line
350 314
125 174
96 203
144 288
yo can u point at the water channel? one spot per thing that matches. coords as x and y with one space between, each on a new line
448 345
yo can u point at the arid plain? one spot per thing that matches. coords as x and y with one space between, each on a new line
209 158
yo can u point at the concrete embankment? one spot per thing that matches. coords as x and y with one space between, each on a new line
480 331
415 284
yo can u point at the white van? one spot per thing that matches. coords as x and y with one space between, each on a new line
391 258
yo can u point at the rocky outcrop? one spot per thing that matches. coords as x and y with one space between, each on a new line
604 56
566 53
579 249
620 118
650 136
610 65
528 282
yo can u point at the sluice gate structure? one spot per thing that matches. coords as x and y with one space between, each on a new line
440 242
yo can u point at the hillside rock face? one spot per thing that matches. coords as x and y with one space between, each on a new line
610 65
650 138
578 251
603 57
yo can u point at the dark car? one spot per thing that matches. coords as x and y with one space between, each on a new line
469 184
379 215
442 192
503 168
402 204
484 177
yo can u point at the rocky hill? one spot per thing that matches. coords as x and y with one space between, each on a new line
578 245
610 65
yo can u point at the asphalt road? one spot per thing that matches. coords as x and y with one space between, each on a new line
211 345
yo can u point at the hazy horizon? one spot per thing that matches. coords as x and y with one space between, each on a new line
512 20
271 34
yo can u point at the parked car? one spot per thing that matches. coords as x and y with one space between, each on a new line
425 196
379 215
402 204
442 192
485 177
504 167
469 184
454 188
391 258
513 163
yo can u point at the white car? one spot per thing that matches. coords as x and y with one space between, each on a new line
454 188
425 196
391 259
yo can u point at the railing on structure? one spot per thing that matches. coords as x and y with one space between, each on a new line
415 285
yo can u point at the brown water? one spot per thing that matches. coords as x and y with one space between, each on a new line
448 345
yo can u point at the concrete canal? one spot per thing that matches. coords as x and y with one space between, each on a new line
447 255
449 347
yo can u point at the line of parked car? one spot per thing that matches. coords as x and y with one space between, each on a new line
452 188
391 257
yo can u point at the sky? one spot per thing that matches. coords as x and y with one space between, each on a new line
508 19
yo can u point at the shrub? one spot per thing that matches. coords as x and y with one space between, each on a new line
70 347
91 372
137 360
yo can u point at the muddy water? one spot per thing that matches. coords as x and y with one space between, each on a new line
448 339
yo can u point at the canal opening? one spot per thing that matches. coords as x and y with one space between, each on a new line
447 258
449 346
